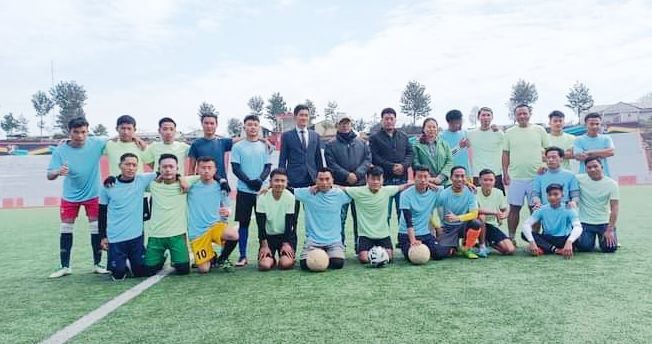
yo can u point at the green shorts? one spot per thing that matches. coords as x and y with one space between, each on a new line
156 247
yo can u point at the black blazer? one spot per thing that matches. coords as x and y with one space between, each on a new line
300 162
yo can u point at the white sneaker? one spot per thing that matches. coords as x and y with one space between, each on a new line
99 269
61 272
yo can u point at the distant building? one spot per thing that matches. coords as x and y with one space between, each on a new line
624 114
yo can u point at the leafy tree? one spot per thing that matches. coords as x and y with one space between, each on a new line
415 102
276 106
9 123
330 112
23 125
42 105
256 104
207 109
100 130
579 99
523 92
70 98
359 125
235 127
313 110
473 116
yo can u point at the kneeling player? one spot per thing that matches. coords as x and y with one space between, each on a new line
417 204
459 208
561 226
371 202
323 207
493 210
275 217
207 219
121 219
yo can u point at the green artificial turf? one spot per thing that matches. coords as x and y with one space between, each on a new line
593 298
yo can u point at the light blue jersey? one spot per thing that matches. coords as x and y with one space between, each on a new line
421 205
323 223
204 202
456 203
565 178
460 155
124 203
252 157
587 143
556 221
82 181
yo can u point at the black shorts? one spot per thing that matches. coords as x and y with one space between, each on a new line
365 243
275 242
494 235
244 204
499 183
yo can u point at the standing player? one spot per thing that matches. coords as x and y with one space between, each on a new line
417 205
522 158
127 142
207 218
457 139
167 226
121 219
167 128
559 138
391 150
598 208
323 204
275 217
348 157
433 153
493 209
78 162
210 146
372 202
555 175
459 211
487 146
300 155
250 162
561 226
594 144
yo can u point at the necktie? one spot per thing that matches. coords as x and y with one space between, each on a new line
303 139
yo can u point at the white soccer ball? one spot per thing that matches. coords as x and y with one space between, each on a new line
378 256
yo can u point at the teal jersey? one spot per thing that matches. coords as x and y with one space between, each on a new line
560 176
252 157
204 202
323 209
456 203
82 181
421 205
556 221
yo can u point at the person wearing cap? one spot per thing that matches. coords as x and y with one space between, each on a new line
348 157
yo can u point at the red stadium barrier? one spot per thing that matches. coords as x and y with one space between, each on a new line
627 180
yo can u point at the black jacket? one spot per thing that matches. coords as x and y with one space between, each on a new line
387 151
348 157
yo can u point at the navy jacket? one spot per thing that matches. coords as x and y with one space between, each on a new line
301 163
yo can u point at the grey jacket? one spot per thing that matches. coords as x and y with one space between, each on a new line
348 157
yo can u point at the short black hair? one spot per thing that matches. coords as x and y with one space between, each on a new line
554 186
419 168
166 120
556 113
486 171
299 108
167 156
387 110
529 109
457 168
375 171
485 108
251 118
124 157
453 115
554 149
207 115
593 158
278 172
126 119
592 115
206 159
77 122
324 170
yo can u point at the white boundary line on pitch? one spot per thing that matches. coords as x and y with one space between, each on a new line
91 318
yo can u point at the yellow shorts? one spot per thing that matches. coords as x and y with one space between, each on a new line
202 246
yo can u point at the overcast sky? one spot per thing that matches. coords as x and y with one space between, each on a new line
156 58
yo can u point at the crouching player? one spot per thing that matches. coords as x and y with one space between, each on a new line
275 217
561 226
417 204
121 219
167 225
371 201
493 209
207 219
323 206
459 208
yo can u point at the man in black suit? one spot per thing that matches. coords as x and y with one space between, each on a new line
300 154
